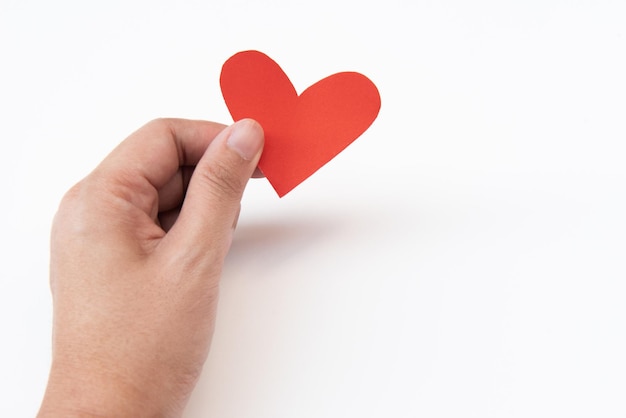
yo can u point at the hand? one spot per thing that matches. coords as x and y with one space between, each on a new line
136 256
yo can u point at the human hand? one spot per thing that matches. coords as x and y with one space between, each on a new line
136 255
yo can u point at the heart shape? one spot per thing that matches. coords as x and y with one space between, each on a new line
302 132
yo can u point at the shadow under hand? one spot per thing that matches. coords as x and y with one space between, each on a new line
259 247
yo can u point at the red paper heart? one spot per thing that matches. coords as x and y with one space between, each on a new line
302 132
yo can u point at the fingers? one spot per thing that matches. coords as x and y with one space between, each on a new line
168 218
156 150
171 195
212 202
147 160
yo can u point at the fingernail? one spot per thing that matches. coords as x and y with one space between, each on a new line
246 138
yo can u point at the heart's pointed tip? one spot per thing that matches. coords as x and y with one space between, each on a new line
281 187
282 191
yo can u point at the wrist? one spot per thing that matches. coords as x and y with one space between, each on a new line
86 394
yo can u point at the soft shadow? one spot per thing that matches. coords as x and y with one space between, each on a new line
260 246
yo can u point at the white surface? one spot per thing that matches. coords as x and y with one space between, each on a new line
463 258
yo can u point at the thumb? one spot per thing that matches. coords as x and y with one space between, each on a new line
213 198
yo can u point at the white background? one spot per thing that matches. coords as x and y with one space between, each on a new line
464 258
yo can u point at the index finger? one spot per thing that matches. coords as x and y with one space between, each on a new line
156 151
143 163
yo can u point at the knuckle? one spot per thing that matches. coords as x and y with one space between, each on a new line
73 193
68 218
158 126
72 198
159 123
78 206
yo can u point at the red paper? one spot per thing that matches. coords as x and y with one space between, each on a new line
302 132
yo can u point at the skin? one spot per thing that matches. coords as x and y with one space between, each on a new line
137 250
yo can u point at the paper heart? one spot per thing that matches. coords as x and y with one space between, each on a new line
302 132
